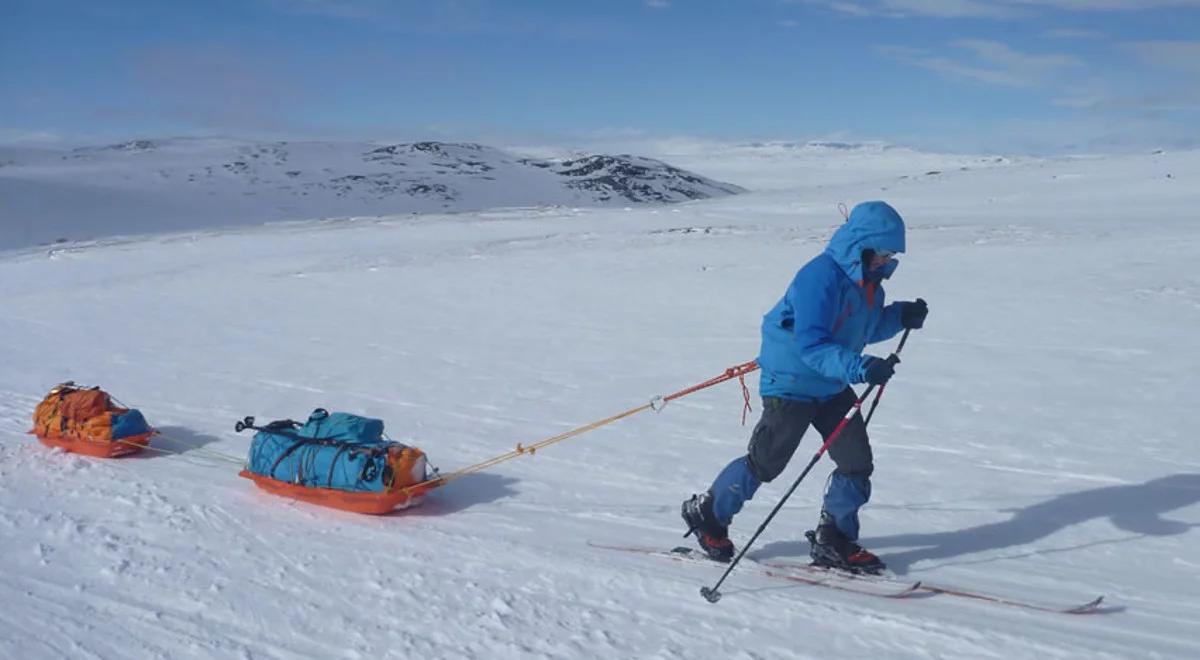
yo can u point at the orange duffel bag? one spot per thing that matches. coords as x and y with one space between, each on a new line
85 420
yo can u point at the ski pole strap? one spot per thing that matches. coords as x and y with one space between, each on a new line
879 394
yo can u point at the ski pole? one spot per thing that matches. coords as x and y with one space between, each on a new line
879 394
712 594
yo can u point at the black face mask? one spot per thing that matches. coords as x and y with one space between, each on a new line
868 255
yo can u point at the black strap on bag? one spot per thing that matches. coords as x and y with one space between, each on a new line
281 426
287 428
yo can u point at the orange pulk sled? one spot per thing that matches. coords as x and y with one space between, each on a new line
337 460
85 420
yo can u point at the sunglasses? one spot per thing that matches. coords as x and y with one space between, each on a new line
884 254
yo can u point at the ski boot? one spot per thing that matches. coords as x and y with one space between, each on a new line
831 549
712 536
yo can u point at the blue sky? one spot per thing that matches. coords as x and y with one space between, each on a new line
1004 75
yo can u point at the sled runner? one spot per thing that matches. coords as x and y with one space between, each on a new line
369 503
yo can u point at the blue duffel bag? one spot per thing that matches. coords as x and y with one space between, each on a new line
338 450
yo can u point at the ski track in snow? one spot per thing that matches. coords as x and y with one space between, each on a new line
1022 449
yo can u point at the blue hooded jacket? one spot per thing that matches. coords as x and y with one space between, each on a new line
812 340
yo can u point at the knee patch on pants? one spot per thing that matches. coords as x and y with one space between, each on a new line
851 452
776 436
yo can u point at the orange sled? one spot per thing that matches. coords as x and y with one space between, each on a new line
87 420
372 503
98 448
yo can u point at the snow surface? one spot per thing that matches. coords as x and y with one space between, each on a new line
1036 442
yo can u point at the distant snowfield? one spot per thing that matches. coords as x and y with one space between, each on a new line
1036 442
142 186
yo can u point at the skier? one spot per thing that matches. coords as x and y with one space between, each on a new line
812 343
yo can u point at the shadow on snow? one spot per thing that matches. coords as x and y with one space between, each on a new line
462 493
1138 509
175 440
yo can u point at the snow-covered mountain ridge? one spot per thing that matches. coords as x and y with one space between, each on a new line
163 185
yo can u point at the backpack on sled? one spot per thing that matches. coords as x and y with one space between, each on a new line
85 420
337 460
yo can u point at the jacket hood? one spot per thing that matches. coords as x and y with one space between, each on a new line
871 225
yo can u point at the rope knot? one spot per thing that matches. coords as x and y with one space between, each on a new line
745 397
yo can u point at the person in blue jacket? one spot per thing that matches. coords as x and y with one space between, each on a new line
812 351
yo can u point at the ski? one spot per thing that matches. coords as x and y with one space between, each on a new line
831 580
1091 607
892 587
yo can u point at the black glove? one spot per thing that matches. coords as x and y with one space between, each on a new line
877 371
912 314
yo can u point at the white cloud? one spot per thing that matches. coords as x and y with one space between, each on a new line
1105 5
1083 95
29 136
452 17
990 62
658 4
345 9
1169 84
949 8
1091 135
850 8
910 8
988 9
1072 33
1170 54
1011 59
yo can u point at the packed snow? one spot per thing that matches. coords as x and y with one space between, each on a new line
1034 445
